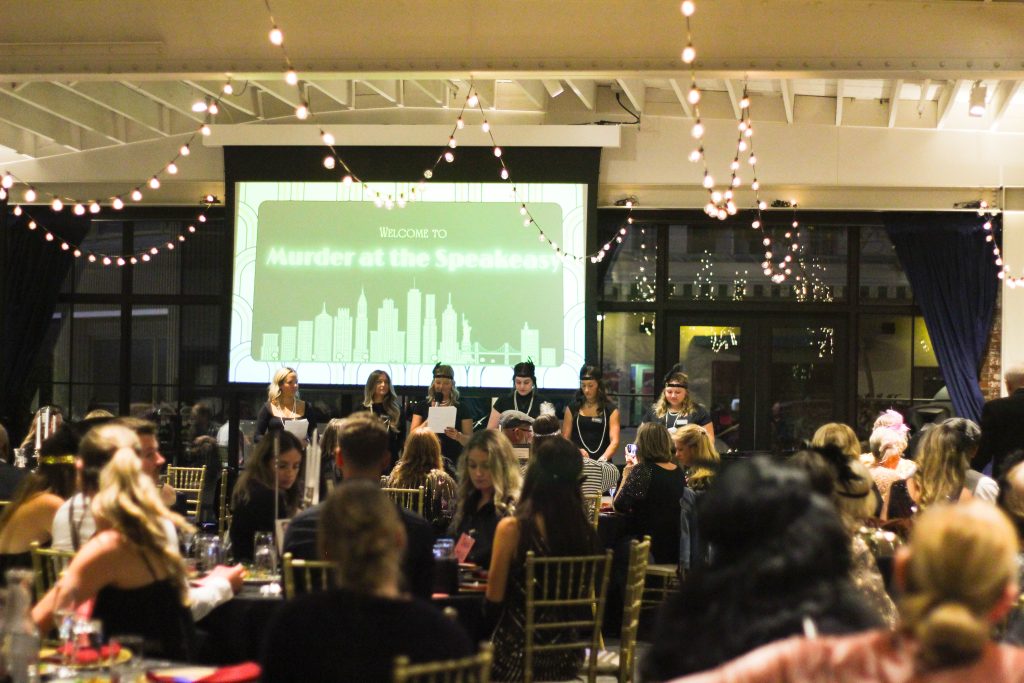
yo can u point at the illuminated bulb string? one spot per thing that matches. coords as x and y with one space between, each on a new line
989 213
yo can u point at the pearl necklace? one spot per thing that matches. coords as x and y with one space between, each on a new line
604 431
515 401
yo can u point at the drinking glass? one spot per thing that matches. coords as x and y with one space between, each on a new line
126 663
64 602
210 553
264 555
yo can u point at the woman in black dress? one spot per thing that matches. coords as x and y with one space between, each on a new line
591 421
283 405
675 409
254 495
650 491
442 392
523 397
379 397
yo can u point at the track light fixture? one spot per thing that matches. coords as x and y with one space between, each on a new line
978 95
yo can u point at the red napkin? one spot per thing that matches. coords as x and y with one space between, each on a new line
85 655
238 673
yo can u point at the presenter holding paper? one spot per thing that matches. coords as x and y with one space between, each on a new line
284 410
523 397
454 429
591 421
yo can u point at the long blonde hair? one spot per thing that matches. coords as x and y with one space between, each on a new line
661 405
130 504
391 404
941 466
449 372
361 532
839 435
962 558
706 459
274 388
505 473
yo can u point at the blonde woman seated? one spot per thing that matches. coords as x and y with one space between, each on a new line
137 581
29 515
696 452
941 475
887 464
958 580
839 435
421 465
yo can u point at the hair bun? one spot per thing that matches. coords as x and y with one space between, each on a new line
950 634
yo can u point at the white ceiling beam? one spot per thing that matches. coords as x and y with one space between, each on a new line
173 94
633 88
840 88
341 91
279 90
20 140
735 91
388 89
895 87
535 91
38 122
788 98
946 101
585 90
71 107
435 90
129 104
1006 91
922 98
553 86
215 90
681 92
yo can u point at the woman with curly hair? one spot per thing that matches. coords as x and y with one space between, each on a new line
489 483
695 450
136 578
941 475
676 409
421 465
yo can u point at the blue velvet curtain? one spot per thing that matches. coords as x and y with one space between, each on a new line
33 270
951 270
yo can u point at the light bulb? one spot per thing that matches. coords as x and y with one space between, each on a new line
328 162
736 181
698 130
118 203
205 130
146 257
749 131
428 174
504 173
522 210
57 204
693 96
762 205
347 180
77 253
755 225
710 209
290 77
452 143
716 196
473 100
302 112
8 181
192 228
449 157
172 168
745 102
742 145
17 211
228 89
734 165
106 261
32 225
213 109
485 127
276 37
460 124
136 195
30 195
688 8
154 182
92 258
742 125
497 151
328 138
65 246
121 261
722 214
709 182
689 54
184 151
94 207
49 237
199 106
755 186
695 156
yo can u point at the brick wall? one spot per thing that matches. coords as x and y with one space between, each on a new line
991 376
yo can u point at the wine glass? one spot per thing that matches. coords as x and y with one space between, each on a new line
264 556
64 603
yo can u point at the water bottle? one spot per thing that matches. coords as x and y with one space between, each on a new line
21 638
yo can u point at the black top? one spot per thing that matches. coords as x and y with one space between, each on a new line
1002 431
592 434
396 437
10 477
514 401
153 611
417 564
697 416
256 514
450 448
267 421
340 635
650 499
480 526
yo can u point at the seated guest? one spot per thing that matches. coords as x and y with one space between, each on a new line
137 580
152 459
839 435
421 465
650 492
957 581
517 427
253 500
1011 501
10 476
598 475
781 564
886 462
549 521
361 453
29 515
695 451
489 482
980 486
354 632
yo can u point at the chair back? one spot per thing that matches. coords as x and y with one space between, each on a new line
639 552
662 581
307 576
592 507
47 566
189 481
474 669
410 499
223 509
565 595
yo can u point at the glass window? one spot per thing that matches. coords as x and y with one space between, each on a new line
154 352
103 237
200 357
881 277
628 272
710 355
803 379
203 259
627 359
161 275
96 344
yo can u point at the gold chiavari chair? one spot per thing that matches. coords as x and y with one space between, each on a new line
188 481
224 509
474 669
636 575
565 594
47 566
592 506
410 499
662 581
307 576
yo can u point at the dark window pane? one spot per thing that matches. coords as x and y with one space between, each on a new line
154 352
96 344
201 362
161 275
627 358
882 279
88 397
629 269
203 259
104 238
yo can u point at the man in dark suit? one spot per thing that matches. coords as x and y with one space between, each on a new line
1002 424
362 453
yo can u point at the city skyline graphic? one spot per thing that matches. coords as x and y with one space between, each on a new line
342 337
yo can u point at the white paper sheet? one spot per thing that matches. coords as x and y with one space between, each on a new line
298 428
440 417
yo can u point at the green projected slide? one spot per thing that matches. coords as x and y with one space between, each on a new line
329 283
